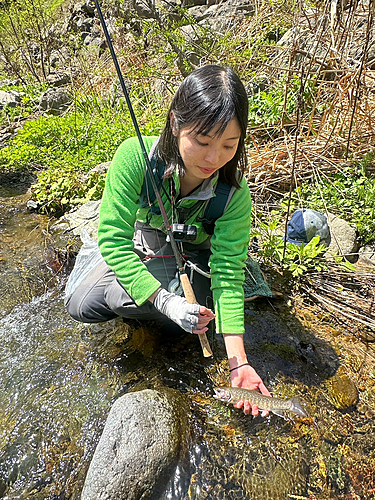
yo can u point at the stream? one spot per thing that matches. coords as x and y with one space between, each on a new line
59 379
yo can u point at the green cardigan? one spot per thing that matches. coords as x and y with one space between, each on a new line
120 208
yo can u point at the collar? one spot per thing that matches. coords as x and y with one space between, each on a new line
203 192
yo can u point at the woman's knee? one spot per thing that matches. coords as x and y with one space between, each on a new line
87 303
72 309
85 311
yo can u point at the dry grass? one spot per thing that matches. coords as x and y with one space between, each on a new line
308 148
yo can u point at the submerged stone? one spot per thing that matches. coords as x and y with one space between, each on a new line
342 391
145 435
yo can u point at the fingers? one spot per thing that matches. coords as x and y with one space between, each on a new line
203 321
248 409
202 325
204 311
204 317
201 330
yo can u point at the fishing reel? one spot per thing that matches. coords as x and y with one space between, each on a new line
184 232
175 286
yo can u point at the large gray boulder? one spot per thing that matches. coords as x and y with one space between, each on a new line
145 435
84 217
344 238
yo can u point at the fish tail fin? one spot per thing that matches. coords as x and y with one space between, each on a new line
297 407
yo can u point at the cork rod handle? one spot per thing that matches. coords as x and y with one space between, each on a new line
190 297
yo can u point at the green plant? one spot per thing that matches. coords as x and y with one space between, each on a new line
64 150
23 40
269 108
302 259
30 95
62 188
349 194
164 36
298 260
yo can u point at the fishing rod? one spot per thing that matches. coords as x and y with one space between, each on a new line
186 285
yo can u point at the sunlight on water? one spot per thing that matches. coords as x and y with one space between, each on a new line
59 379
55 399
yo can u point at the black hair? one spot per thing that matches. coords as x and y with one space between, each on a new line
211 95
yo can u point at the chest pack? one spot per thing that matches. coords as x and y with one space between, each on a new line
214 207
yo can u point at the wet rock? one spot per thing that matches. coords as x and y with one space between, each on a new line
32 205
342 391
86 216
144 437
18 181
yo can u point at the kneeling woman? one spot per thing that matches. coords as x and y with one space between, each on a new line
202 142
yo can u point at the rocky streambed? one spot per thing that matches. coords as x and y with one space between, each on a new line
60 380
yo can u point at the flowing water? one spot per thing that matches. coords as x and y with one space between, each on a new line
59 379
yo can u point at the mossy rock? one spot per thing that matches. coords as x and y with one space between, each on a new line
342 391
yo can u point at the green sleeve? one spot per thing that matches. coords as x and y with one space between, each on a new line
117 217
229 246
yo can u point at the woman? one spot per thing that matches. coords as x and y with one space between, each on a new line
202 142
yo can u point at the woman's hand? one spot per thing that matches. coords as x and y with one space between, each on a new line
205 316
247 378
192 318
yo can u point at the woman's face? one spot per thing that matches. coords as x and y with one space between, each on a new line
205 154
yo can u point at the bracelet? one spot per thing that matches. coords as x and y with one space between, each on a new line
245 364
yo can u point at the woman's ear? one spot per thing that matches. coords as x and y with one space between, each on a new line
174 124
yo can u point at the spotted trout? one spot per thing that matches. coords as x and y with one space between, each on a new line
277 406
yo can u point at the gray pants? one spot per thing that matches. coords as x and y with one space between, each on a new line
100 297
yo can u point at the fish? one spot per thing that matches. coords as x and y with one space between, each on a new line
275 405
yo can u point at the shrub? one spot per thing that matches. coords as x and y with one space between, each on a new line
66 148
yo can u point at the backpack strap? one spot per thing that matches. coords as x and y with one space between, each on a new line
147 197
216 206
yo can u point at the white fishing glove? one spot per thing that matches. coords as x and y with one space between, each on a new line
178 310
